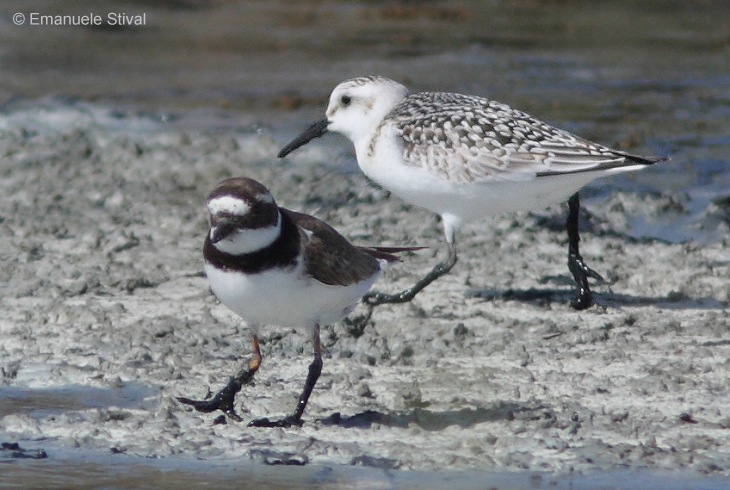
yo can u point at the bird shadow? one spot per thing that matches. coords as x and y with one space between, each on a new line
545 296
434 421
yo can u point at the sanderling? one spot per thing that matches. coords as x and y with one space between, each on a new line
466 157
273 266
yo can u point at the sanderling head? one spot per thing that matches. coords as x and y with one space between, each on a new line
355 109
358 105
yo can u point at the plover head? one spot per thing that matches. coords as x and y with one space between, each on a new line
355 109
243 216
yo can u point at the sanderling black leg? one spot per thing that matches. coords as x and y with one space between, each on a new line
315 369
224 399
375 298
581 272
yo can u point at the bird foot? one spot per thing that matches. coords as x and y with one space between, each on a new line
223 400
581 272
220 402
375 298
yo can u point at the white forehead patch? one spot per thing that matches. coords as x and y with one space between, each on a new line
228 204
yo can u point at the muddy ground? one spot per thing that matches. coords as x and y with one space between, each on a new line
101 226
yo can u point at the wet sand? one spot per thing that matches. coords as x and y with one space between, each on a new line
488 369
107 316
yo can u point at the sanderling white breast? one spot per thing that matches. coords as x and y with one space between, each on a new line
273 266
466 157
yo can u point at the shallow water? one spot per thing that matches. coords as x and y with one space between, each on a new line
43 402
94 470
651 77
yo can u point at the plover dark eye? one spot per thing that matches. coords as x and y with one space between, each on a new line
345 100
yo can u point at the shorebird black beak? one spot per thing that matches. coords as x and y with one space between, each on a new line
314 131
222 229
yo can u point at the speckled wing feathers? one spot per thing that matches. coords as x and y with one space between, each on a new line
470 139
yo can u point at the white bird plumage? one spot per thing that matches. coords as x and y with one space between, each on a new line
463 157
274 266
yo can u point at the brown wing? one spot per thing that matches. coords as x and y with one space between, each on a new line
331 259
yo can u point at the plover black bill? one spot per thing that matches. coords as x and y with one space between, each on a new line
273 266
466 157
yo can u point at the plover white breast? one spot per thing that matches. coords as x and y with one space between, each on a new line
466 157
273 266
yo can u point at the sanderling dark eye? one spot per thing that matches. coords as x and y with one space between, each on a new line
345 100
